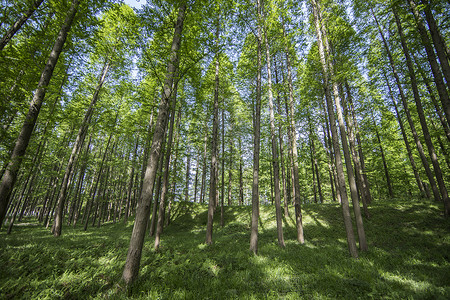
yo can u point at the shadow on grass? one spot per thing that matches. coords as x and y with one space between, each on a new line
408 254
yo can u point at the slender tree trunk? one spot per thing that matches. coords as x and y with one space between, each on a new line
294 155
188 175
437 108
256 142
165 185
274 143
438 42
241 181
56 229
155 196
316 166
354 153
331 161
174 168
131 269
230 167
423 123
337 153
130 184
214 164
196 179
424 159
222 189
10 175
18 24
280 139
359 153
100 172
440 85
345 148
383 159
205 144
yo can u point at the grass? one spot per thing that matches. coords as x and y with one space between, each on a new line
408 258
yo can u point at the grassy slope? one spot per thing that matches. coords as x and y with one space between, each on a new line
409 257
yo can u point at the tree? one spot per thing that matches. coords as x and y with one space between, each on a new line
20 21
10 176
131 268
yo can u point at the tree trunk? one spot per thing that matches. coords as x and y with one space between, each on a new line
280 139
18 24
230 167
424 159
174 169
131 269
294 154
205 144
360 154
56 229
256 141
337 153
130 185
274 143
423 123
383 159
214 164
438 42
188 175
10 175
222 189
437 108
440 85
99 177
196 179
165 185
355 157
241 181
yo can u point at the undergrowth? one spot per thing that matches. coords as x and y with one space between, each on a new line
408 257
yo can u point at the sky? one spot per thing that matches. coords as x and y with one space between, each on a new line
135 3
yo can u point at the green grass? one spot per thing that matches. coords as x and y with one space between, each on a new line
408 258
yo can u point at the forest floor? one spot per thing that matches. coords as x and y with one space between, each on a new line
408 257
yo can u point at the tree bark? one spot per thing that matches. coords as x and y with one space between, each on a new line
241 181
353 151
440 85
205 147
294 153
280 139
222 189
56 229
423 123
424 159
18 24
10 175
214 164
131 268
165 185
274 143
256 140
337 154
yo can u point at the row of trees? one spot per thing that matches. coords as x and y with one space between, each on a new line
225 103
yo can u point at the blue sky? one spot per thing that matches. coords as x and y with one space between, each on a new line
135 3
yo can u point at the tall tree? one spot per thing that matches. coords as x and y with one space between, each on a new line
10 175
18 24
256 139
337 154
131 268
214 140
274 143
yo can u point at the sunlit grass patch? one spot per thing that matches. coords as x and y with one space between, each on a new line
408 257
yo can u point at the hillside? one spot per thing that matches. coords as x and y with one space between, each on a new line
408 257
